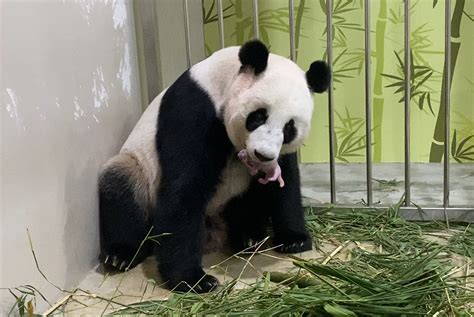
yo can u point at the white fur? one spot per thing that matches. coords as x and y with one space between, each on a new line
281 88
141 143
234 181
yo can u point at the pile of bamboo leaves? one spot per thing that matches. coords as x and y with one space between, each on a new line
409 271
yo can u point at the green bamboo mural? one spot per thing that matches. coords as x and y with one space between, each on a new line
427 43
299 19
378 98
436 152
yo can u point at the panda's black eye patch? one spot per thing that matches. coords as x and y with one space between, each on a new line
256 119
289 132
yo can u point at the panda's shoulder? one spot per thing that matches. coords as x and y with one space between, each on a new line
186 97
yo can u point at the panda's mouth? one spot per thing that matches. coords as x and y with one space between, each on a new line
271 170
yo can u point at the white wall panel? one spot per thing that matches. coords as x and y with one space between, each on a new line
69 98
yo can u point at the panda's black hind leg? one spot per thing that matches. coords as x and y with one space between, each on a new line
124 220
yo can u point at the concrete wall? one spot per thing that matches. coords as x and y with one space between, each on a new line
69 98
161 42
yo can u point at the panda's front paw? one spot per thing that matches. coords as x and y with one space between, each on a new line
247 243
295 245
204 284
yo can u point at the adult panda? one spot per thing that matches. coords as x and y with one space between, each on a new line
198 162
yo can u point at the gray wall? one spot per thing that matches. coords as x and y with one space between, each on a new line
70 96
161 42
70 74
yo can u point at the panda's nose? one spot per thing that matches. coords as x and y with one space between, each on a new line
262 157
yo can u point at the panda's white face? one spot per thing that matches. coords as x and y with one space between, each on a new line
269 114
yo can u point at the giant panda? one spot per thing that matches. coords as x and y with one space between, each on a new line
212 163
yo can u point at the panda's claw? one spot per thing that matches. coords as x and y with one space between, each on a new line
123 265
106 259
115 261
206 283
295 247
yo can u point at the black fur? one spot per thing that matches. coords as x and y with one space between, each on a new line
123 222
318 76
248 216
289 132
256 119
193 148
254 54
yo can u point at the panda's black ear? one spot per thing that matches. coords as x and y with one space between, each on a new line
318 76
254 54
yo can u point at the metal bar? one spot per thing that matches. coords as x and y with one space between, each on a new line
456 214
368 103
220 23
256 30
291 14
332 163
407 99
447 101
186 32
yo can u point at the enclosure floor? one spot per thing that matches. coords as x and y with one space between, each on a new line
143 282
388 184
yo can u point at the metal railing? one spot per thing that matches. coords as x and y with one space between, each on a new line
409 210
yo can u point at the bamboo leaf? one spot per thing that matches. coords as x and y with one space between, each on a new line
429 104
421 100
338 311
392 76
421 82
453 144
462 143
346 140
322 4
467 150
399 61
396 84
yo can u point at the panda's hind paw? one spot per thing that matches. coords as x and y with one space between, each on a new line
114 263
121 259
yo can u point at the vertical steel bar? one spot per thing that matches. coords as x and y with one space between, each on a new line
447 86
186 32
291 14
407 99
256 30
220 23
368 104
332 158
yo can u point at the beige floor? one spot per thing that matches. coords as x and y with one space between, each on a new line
96 292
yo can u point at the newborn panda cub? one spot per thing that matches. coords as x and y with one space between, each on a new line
212 162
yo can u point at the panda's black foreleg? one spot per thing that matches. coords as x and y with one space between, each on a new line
247 220
286 210
180 225
193 149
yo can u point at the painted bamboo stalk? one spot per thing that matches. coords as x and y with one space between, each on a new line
378 100
239 27
299 18
437 145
